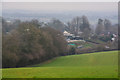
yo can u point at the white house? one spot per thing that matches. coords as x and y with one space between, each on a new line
67 33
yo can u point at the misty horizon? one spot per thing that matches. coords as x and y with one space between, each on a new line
63 11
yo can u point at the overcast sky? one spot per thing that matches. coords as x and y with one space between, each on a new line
60 0
61 6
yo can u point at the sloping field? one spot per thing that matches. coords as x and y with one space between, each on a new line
91 59
94 65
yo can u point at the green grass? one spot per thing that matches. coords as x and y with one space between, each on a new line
85 44
94 65
88 44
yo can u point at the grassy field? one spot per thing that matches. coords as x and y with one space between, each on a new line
94 65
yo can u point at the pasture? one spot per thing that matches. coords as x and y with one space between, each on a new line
91 65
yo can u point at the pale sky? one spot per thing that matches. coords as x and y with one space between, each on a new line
60 0
61 6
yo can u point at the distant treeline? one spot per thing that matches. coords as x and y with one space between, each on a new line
28 44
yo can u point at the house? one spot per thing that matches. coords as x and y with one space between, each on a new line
67 33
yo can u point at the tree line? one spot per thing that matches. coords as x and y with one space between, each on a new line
80 26
28 44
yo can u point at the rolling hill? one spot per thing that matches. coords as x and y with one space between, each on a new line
92 65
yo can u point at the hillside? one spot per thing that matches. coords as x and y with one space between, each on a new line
94 65
94 59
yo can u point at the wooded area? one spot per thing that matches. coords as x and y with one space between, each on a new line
31 42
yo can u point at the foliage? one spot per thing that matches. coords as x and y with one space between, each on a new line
57 24
28 44
100 27
105 38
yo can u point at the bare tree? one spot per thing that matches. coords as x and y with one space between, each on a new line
107 25
100 27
